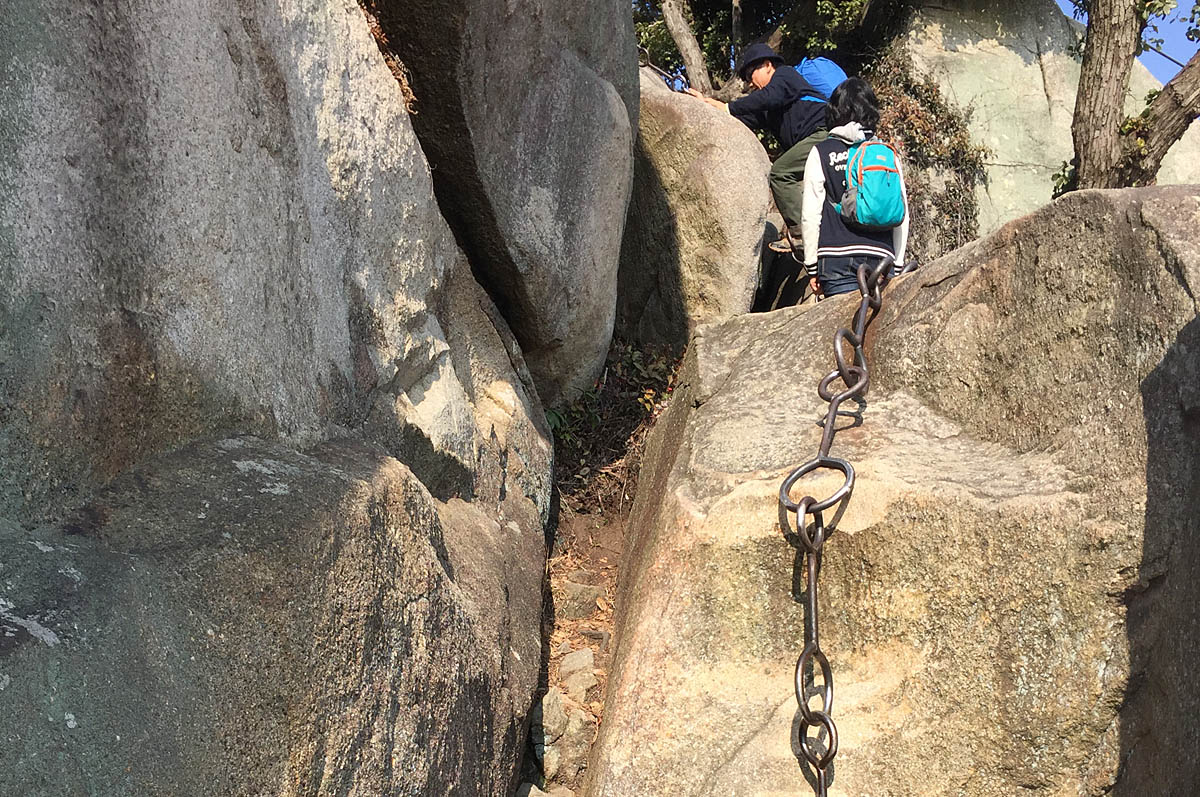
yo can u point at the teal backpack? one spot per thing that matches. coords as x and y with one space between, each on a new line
874 197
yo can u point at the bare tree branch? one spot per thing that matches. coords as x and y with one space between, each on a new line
774 39
1166 119
862 14
676 18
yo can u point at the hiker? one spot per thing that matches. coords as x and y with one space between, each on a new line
788 106
834 245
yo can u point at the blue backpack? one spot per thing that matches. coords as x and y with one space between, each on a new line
874 196
822 74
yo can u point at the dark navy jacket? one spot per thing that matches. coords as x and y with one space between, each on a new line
777 107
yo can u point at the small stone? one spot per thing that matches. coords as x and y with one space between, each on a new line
602 636
551 762
530 790
578 684
549 718
564 648
581 660
575 744
581 577
577 601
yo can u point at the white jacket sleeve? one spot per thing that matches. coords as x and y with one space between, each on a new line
900 232
810 214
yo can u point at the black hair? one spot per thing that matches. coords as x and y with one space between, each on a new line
853 101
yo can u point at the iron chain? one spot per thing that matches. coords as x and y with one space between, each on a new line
644 60
810 538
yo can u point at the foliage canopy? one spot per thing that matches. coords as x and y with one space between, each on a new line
806 28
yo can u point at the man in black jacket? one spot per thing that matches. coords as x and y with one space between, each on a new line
778 105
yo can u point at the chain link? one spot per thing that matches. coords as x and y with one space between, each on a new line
644 60
810 538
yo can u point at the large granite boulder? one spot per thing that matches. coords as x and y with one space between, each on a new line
1008 603
694 234
526 111
1012 65
216 221
239 618
151 293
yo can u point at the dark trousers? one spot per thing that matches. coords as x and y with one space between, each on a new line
787 177
840 274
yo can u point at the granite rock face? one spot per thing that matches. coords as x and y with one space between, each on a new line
217 223
1020 544
151 294
239 618
1011 64
694 234
526 110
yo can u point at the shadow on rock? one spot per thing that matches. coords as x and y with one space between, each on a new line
1158 742
650 304
782 278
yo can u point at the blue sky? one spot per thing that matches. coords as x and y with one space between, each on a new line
1175 44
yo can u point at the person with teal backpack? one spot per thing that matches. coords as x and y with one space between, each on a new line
855 203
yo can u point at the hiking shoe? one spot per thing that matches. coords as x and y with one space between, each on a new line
789 241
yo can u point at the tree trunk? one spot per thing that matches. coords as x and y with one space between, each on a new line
774 39
730 90
801 10
1113 32
676 18
1166 119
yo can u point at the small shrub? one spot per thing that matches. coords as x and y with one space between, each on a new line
598 437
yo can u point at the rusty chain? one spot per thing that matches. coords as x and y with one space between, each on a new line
856 378
671 80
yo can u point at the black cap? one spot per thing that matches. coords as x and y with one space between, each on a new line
753 55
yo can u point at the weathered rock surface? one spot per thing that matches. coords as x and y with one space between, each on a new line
1008 603
216 221
694 234
575 671
548 722
526 111
578 600
151 294
238 618
1010 63
530 790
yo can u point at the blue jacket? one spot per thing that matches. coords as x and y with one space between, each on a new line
778 108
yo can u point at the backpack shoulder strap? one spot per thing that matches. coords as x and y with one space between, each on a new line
854 164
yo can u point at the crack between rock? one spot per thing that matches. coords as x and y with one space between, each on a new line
935 283
1170 260
1045 84
729 374
750 738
